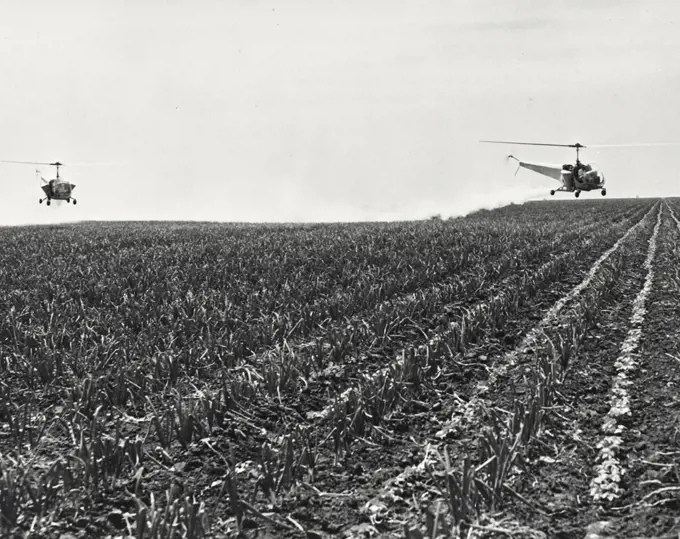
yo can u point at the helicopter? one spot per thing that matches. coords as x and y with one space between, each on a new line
55 189
576 177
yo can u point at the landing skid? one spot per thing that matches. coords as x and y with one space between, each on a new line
576 192
49 200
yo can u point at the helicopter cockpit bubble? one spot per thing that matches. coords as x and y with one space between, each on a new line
592 176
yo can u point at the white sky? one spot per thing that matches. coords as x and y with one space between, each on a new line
304 110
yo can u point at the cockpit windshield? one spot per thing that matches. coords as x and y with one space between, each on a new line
61 187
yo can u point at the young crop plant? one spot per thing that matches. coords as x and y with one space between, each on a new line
278 469
280 374
464 492
181 518
500 452
12 494
184 421
163 425
25 423
365 407
31 494
180 420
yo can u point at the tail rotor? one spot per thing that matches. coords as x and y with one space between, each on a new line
519 164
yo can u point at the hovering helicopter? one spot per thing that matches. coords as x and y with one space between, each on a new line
55 189
575 177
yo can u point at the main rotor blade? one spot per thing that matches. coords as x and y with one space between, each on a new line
27 162
577 145
97 163
634 144
82 164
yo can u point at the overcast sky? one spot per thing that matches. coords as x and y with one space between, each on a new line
304 110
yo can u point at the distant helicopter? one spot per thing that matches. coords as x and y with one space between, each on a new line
55 189
575 177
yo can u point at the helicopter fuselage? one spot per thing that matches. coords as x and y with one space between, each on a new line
581 177
58 189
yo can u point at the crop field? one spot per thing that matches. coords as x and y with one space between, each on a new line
512 373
